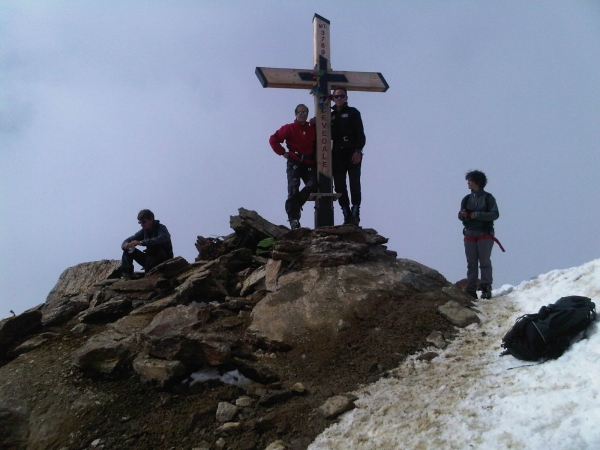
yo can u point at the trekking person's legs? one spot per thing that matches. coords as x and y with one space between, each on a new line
472 270
128 258
355 191
484 250
292 205
339 170
309 177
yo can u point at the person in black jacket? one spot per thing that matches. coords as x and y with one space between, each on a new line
154 236
478 210
348 141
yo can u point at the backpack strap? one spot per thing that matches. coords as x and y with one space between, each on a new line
463 203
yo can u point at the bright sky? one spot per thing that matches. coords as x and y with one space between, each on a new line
110 107
468 398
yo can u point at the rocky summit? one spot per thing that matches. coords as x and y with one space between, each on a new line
257 344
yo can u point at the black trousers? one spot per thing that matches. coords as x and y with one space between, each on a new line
297 197
146 260
342 166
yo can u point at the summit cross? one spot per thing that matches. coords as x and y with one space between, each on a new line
320 80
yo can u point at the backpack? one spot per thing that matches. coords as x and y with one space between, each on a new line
547 334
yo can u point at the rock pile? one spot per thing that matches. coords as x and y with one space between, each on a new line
272 322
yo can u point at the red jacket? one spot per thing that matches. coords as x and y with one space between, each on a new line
300 141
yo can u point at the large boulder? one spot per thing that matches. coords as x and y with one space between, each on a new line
319 299
72 292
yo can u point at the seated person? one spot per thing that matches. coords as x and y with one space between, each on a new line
154 236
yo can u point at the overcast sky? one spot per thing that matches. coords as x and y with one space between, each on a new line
110 107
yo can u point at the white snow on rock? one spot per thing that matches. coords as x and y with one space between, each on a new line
467 398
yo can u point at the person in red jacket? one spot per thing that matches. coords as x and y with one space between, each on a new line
299 137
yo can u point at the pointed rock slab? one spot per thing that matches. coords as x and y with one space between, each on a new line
251 219
63 309
170 268
104 354
314 300
154 283
75 285
254 281
272 270
33 343
171 335
109 311
155 306
458 315
82 277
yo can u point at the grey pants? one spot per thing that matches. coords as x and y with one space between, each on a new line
478 252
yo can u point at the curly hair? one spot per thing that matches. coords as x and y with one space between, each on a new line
477 177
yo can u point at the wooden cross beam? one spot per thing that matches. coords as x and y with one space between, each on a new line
319 81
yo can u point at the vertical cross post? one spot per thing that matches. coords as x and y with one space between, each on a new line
319 81
321 51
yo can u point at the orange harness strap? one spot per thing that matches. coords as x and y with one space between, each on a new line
485 236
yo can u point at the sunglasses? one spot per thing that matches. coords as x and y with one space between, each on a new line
142 222
304 113
339 96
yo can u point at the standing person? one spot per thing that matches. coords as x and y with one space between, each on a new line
299 137
348 141
154 236
478 210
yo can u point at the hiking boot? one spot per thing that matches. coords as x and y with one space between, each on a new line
126 276
355 218
486 291
294 224
472 292
347 215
